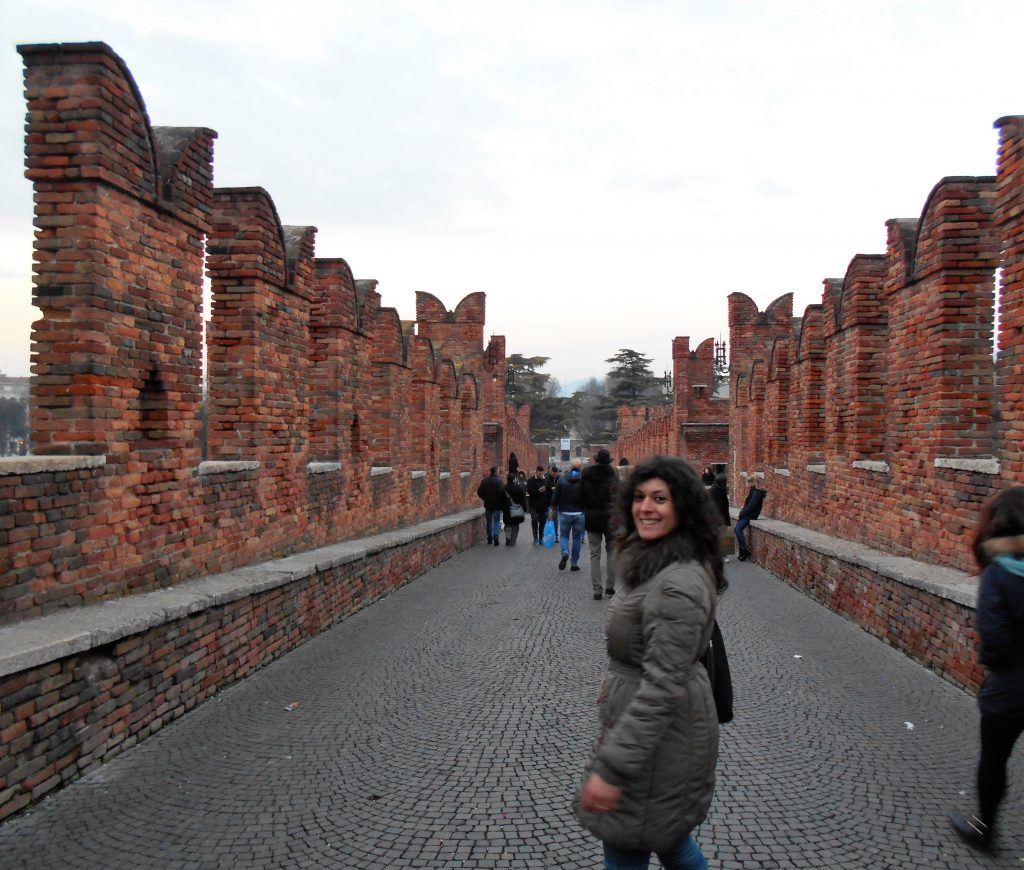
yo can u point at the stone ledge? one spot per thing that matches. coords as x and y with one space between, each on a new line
228 466
45 639
816 469
322 467
416 474
10 465
943 582
985 465
444 475
378 470
871 465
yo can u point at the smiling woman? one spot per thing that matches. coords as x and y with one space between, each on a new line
650 777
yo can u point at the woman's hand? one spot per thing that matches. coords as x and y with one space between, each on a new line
599 796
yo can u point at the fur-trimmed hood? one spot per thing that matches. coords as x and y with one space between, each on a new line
639 560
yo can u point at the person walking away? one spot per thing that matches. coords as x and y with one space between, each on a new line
650 776
517 495
492 492
553 477
719 493
999 551
751 510
513 463
539 492
707 476
565 501
599 485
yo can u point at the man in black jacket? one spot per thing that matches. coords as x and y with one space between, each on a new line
492 491
598 486
539 492
751 510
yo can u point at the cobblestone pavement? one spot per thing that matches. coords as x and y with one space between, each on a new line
445 727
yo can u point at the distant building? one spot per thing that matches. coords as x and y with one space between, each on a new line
14 388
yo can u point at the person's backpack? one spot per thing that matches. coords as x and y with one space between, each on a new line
717 666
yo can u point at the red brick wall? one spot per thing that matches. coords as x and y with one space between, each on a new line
695 426
59 719
877 413
311 384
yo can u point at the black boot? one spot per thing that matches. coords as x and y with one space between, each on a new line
972 829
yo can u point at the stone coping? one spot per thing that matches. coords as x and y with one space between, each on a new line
43 464
44 639
938 580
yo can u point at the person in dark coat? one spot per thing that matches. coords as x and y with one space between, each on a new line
650 776
554 475
538 489
492 492
513 463
707 476
599 484
565 501
719 492
751 510
999 551
516 493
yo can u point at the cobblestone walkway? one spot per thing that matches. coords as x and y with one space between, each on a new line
445 726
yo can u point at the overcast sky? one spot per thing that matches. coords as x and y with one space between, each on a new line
607 171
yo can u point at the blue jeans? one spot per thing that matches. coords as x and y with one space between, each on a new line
493 524
738 529
573 523
685 856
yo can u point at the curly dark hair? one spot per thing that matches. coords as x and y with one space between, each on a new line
1001 516
698 517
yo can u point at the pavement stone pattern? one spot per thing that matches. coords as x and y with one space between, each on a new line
446 726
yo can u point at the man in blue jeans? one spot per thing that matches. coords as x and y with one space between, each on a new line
566 500
492 491
751 510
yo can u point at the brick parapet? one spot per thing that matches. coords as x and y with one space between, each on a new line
311 381
888 426
925 611
81 686
1010 224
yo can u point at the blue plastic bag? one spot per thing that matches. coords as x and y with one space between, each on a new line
549 533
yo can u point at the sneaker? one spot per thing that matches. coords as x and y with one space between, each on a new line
575 568
609 592
726 559
496 542
972 829
597 596
562 561
489 539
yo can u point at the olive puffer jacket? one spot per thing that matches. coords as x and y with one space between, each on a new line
658 738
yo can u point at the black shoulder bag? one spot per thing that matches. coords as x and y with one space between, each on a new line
717 665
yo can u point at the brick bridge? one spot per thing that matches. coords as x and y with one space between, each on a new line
169 536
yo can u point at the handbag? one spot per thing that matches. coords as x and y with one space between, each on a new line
516 512
717 665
